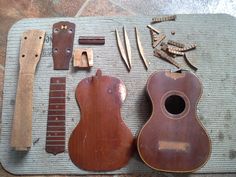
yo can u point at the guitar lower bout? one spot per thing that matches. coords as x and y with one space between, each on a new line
173 139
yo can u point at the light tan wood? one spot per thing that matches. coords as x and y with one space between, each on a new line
122 50
153 29
140 48
30 51
171 145
128 47
83 58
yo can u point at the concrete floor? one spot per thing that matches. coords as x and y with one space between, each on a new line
13 10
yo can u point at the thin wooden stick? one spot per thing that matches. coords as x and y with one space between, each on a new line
121 49
140 48
153 29
128 48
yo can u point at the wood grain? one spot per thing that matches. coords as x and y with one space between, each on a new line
83 57
122 50
128 47
140 48
101 141
174 141
30 51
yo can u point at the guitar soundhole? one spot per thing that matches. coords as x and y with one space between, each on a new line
175 104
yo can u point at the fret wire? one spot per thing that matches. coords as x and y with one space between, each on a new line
56 115
55 136
60 83
56 120
52 104
56 110
56 97
55 140
57 90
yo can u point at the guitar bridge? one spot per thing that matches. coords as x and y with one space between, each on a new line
173 146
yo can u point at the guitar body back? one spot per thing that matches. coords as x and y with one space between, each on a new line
101 141
173 139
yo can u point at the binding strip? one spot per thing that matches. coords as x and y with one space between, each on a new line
55 136
189 63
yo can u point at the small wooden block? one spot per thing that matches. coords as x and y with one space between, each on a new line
83 58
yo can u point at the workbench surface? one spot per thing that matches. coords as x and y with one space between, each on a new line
214 56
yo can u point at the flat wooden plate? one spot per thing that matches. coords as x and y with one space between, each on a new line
215 57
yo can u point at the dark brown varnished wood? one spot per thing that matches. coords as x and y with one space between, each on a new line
92 40
62 44
55 136
173 139
101 141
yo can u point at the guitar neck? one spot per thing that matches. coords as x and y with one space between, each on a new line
30 51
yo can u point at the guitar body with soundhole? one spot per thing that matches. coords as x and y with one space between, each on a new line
173 139
101 141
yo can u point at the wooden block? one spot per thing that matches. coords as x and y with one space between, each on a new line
30 51
83 58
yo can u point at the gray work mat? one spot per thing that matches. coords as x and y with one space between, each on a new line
215 57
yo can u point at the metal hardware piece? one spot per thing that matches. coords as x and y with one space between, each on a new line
62 44
92 40
162 19
140 48
161 54
83 58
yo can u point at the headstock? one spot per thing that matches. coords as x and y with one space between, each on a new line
30 50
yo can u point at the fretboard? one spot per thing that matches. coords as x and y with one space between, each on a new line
55 137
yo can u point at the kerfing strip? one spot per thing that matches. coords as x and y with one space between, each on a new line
162 19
